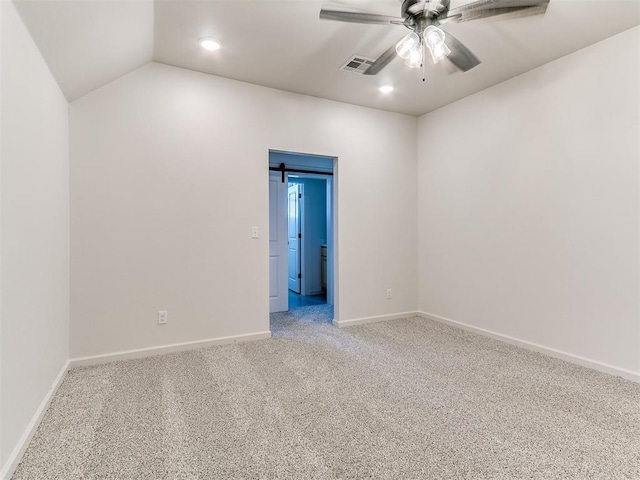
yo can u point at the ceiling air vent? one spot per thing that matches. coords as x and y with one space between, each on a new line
357 64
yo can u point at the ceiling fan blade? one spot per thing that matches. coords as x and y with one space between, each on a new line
490 4
357 17
494 8
460 56
382 61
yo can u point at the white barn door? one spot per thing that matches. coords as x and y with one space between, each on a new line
278 293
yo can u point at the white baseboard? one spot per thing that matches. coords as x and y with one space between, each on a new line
552 352
380 318
175 347
14 459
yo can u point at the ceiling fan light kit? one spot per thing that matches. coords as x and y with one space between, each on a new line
407 45
415 59
424 17
434 38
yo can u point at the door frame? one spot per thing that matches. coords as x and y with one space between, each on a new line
333 230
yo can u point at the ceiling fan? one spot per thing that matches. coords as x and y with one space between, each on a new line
424 17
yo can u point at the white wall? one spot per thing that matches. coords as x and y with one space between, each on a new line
528 206
35 231
158 220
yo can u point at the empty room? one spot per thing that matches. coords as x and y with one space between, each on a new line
306 239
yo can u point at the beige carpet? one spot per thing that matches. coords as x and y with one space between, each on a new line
403 399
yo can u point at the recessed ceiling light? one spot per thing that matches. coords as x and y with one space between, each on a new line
209 44
386 88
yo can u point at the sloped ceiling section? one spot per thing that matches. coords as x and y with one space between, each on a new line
90 43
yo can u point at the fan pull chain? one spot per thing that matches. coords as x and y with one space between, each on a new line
424 64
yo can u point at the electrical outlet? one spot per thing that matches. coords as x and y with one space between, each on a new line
389 294
162 317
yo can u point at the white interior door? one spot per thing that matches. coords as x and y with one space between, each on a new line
278 292
294 236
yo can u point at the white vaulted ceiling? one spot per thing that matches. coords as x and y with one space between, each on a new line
90 43
283 44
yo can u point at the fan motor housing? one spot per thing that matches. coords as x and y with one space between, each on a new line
414 8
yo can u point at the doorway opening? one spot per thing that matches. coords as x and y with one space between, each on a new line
306 240
302 211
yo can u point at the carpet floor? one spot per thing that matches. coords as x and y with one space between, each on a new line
402 399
